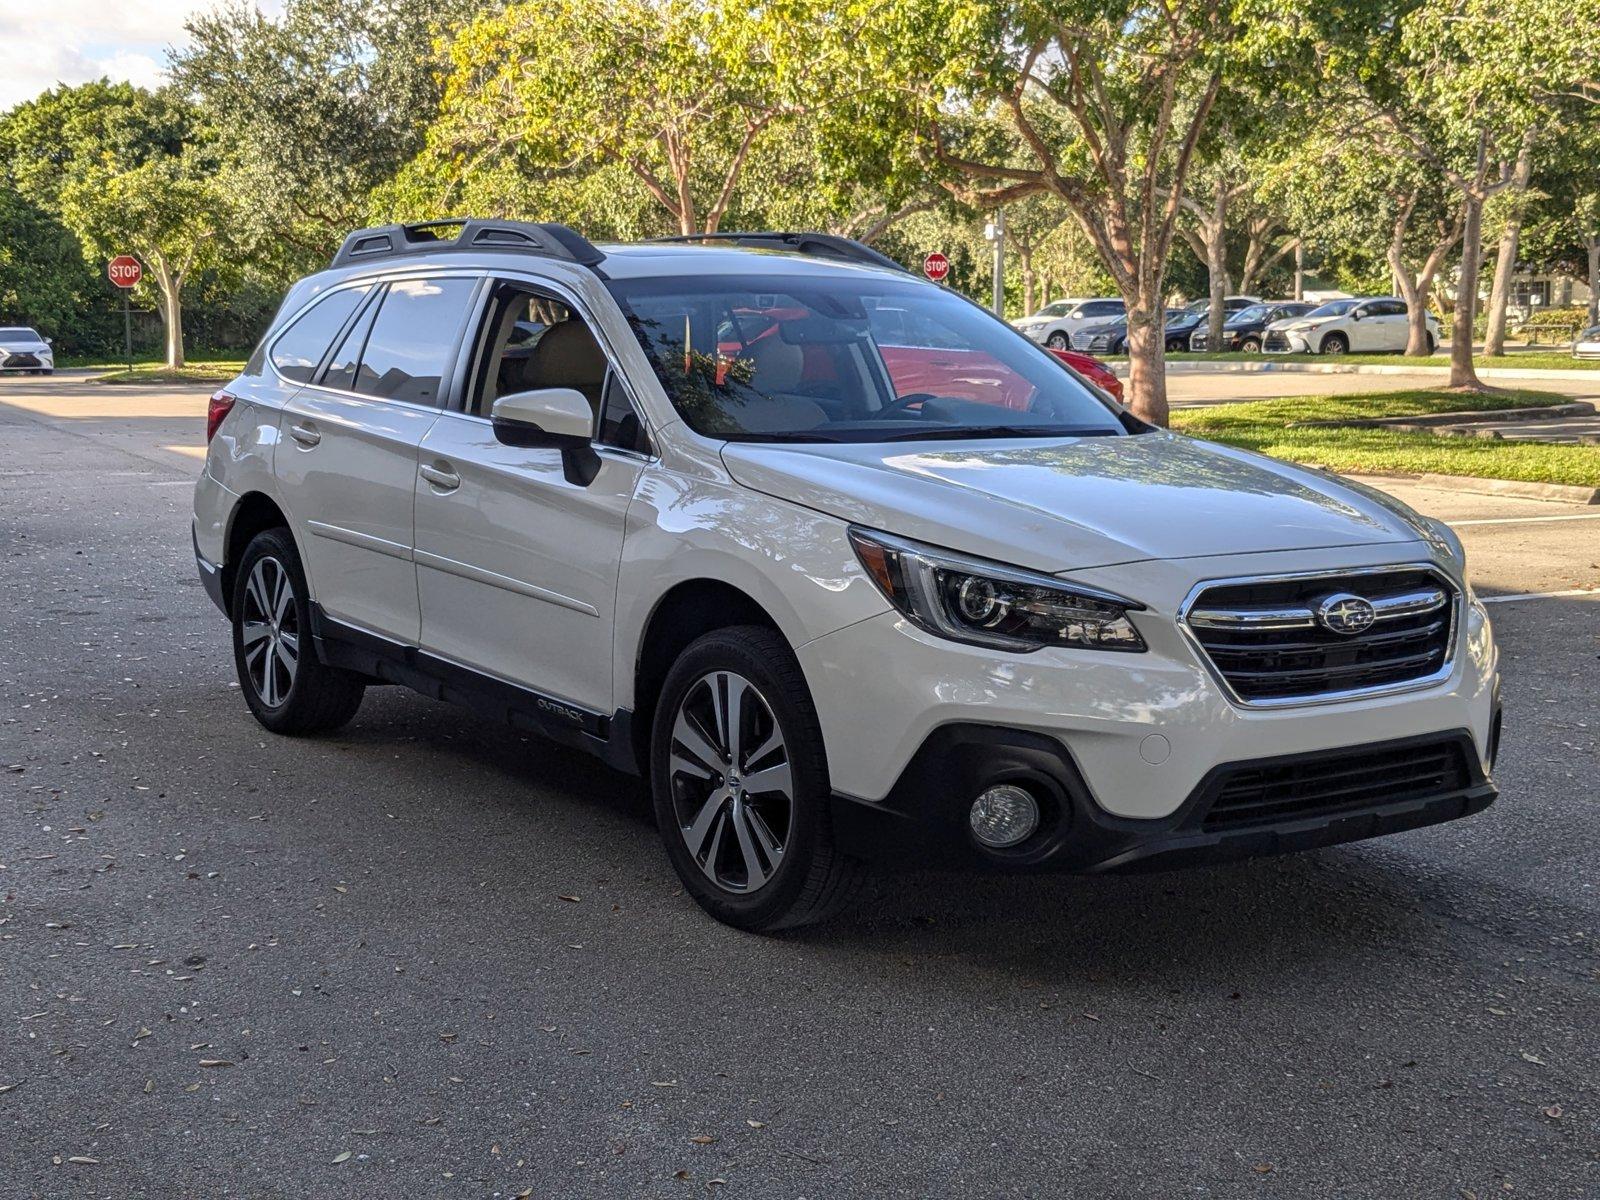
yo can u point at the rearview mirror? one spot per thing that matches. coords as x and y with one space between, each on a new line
559 418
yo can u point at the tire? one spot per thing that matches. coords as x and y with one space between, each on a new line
1250 345
742 882
288 688
1427 340
1334 343
1059 341
1176 345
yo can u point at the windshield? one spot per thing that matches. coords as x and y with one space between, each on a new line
1333 308
849 359
1256 312
1058 309
19 333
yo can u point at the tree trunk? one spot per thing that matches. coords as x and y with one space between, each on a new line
1299 270
1462 372
169 300
1505 263
1025 261
1215 232
1594 278
1147 361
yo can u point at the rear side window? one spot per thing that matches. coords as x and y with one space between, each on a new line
346 360
413 338
297 353
1102 308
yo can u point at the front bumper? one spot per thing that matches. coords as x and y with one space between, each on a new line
923 821
25 360
1279 341
1141 732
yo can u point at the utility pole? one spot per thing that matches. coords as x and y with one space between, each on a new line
998 236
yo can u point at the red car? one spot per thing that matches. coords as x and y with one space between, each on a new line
1092 369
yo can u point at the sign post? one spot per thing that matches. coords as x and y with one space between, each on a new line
936 266
124 271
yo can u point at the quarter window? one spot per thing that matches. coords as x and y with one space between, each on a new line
412 339
297 353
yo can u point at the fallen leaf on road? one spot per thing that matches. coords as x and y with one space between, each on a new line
1262 1168
702 1139
84 1160
339 1158
755 1124
215 1062
570 899
663 1083
1552 1111
1533 1058
6 1087
448 1037
683 1175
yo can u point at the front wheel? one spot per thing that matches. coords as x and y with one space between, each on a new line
1251 345
740 784
286 686
1059 341
1335 343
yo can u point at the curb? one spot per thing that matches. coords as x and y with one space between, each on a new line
1561 493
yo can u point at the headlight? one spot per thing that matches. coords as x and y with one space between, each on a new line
1443 539
987 604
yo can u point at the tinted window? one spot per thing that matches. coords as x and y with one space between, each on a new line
1102 308
341 372
1387 308
19 334
619 422
297 353
412 339
1333 308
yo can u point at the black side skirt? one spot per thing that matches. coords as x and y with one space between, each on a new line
608 737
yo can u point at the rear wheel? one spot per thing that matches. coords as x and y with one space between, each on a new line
286 686
740 784
1335 343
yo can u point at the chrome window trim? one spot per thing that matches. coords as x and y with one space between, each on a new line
1186 612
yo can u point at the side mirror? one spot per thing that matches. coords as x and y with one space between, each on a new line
1357 315
49 341
559 418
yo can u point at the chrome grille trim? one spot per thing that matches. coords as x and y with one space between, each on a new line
1196 622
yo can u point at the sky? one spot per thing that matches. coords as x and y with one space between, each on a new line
71 41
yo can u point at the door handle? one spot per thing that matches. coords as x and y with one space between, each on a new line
305 433
442 478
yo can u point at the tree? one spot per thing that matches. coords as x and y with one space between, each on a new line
314 110
44 281
677 94
128 171
1505 262
1105 105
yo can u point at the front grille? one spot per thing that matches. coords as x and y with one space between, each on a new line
1276 342
1198 341
18 359
1337 782
1266 640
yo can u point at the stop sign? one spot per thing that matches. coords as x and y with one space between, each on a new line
936 266
124 270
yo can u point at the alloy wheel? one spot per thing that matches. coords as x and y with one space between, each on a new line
270 630
731 781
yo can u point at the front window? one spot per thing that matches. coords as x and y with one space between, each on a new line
1058 309
846 359
1333 308
1256 312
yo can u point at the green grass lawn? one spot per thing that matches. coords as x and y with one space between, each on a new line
1263 425
1532 360
194 371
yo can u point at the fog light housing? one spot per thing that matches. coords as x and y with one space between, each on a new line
1004 815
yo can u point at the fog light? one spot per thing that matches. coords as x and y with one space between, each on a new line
1004 815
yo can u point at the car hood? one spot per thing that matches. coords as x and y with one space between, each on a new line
1071 503
31 345
1094 330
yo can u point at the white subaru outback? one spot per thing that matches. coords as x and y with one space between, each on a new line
846 567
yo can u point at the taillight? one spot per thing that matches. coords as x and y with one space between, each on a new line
220 406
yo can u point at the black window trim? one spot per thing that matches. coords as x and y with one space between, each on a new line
321 365
461 382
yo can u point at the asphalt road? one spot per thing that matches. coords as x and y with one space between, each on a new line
427 957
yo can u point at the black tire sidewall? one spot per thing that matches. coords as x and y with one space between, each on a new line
1335 343
752 652
1059 341
1250 346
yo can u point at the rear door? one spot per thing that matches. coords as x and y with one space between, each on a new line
348 461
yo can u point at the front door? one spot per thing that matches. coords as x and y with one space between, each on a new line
517 559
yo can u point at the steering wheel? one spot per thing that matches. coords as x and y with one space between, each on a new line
900 403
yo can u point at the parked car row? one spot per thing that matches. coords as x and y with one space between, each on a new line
1372 324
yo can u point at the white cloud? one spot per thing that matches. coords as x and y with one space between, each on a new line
71 41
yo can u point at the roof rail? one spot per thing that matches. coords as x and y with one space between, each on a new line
820 245
518 237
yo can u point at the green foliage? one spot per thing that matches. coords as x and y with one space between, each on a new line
44 281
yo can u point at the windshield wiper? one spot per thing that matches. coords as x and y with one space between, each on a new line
947 432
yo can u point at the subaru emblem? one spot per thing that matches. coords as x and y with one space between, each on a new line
1346 614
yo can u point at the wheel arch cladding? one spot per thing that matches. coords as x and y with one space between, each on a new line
686 611
255 513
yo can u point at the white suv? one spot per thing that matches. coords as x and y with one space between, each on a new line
844 566
1375 325
1056 325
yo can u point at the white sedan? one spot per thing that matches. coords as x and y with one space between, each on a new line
24 351
1587 343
